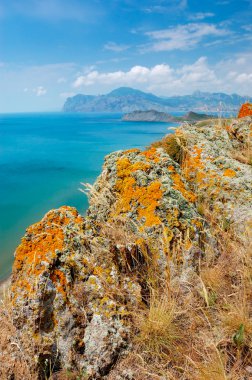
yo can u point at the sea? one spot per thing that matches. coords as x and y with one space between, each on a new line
45 156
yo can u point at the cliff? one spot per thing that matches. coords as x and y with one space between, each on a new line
155 116
155 281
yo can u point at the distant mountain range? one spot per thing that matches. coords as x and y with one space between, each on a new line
126 99
163 117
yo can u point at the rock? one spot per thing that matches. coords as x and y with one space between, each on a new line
60 296
213 172
74 282
147 190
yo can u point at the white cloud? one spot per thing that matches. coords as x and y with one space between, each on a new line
137 74
115 47
229 76
40 91
243 78
181 37
200 16
25 89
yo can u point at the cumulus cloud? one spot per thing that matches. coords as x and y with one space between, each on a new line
137 74
182 37
115 47
40 91
230 75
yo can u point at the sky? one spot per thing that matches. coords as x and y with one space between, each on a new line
53 49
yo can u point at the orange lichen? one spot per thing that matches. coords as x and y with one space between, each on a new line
59 279
180 186
148 198
245 110
134 150
32 251
125 167
40 245
171 168
151 154
229 173
145 199
192 162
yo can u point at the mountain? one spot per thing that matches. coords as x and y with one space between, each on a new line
126 99
156 116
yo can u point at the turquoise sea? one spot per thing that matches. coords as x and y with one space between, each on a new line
45 156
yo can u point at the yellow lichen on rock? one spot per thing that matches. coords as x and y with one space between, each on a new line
39 247
229 173
130 195
180 185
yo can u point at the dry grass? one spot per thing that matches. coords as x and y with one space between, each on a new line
244 155
205 332
172 145
157 325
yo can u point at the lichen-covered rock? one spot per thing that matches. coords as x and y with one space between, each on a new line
148 191
213 173
61 298
74 284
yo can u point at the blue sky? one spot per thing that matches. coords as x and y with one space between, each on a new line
52 49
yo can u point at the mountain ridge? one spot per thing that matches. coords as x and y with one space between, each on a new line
127 99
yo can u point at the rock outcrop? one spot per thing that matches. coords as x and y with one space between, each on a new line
61 298
214 171
77 280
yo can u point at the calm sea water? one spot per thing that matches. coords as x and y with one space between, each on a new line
43 159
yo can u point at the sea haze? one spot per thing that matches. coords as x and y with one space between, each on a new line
43 159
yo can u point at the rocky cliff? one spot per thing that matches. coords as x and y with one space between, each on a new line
83 289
